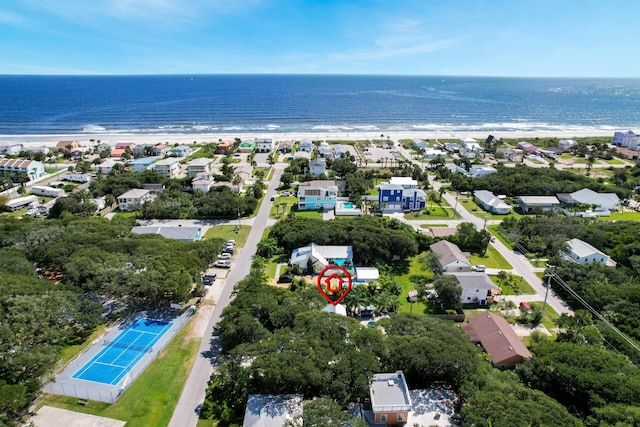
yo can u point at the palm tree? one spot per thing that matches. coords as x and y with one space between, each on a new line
266 247
258 266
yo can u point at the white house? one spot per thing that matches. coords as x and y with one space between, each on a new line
450 257
273 410
479 171
305 145
169 167
10 147
405 181
43 190
77 177
477 288
567 144
583 253
105 167
489 202
322 256
142 164
266 144
130 200
470 144
603 202
199 165
626 139
15 167
529 204
317 166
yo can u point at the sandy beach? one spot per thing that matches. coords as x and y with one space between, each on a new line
189 138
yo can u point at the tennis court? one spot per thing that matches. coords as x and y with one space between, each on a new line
122 353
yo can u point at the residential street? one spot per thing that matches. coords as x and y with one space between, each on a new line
186 412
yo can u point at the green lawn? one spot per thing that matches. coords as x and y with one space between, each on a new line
432 225
309 214
280 211
515 285
70 352
476 210
623 216
496 232
550 316
613 161
125 215
574 159
415 268
228 232
436 212
151 399
492 259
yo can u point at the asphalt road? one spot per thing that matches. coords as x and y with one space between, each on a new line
186 412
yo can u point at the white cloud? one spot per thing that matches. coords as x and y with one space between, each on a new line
395 47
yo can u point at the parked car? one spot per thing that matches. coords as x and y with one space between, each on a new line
208 278
228 250
479 267
223 264
286 278
224 255
286 193
231 242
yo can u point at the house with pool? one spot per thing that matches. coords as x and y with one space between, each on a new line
401 194
319 194
320 257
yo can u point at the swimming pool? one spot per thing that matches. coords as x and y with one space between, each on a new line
348 206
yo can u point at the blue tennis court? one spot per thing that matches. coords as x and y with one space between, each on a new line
121 354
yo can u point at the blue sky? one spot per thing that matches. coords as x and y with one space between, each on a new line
566 38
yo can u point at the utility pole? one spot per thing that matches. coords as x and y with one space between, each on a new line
549 273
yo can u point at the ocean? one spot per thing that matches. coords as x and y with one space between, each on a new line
51 105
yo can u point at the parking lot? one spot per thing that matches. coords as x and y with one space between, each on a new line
375 154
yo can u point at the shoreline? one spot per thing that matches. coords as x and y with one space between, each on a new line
189 138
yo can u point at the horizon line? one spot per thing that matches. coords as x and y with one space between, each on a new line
310 75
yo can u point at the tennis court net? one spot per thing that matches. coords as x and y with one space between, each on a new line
140 348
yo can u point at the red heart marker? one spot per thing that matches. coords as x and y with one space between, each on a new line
328 284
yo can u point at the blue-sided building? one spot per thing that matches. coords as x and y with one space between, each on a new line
395 197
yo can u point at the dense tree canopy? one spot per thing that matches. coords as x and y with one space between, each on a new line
524 180
373 239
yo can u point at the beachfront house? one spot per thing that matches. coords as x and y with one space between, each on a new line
470 144
8 148
133 199
567 144
313 195
318 257
527 147
390 398
182 151
490 202
224 147
450 257
530 204
16 168
582 252
247 147
285 146
498 339
477 288
419 144
169 167
265 144
305 145
626 139
273 410
68 145
142 164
